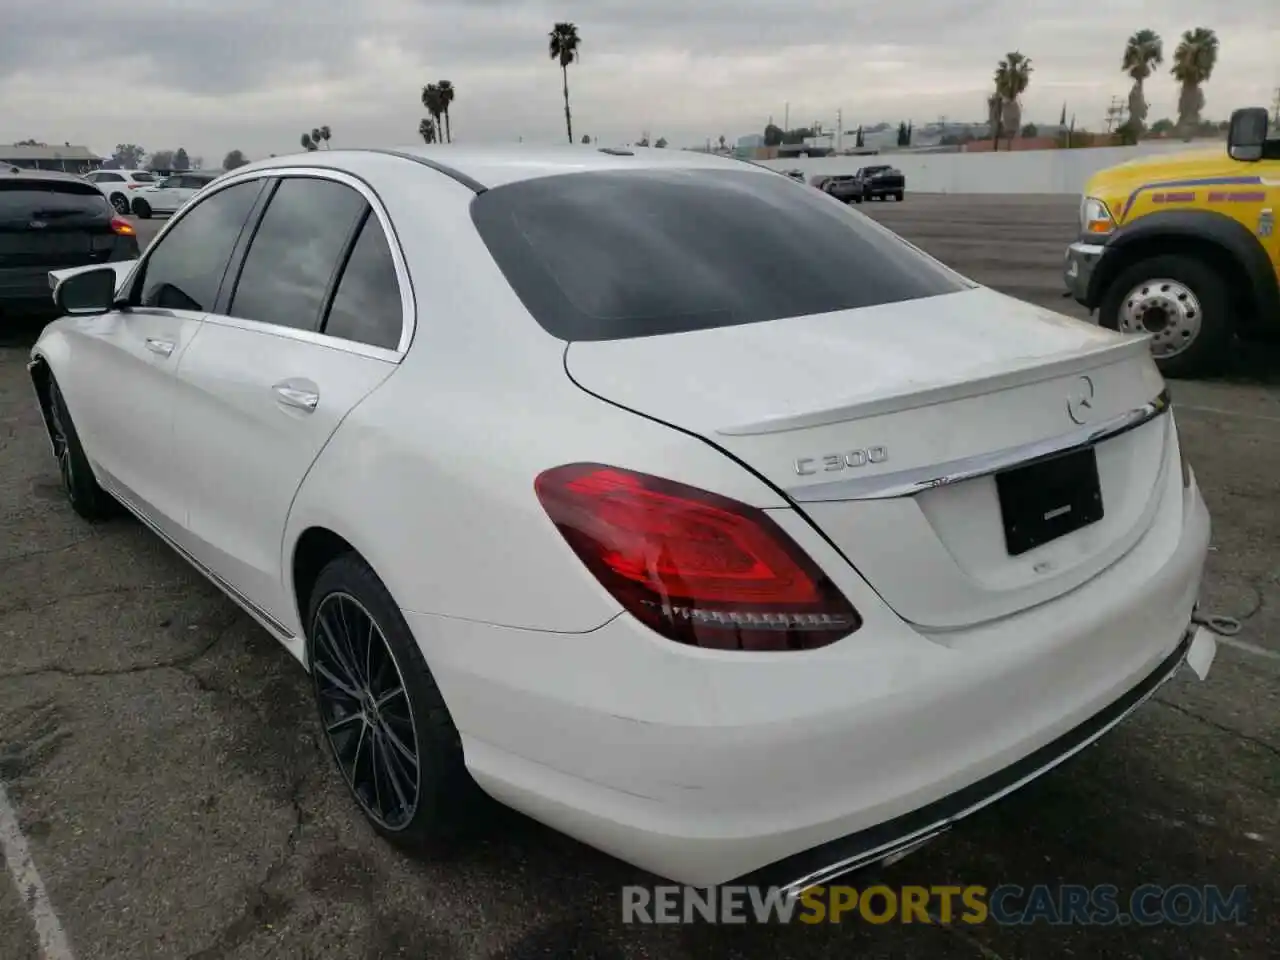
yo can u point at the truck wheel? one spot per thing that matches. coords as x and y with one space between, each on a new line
898 196
1182 303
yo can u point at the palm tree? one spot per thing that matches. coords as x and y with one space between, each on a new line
1013 76
1193 64
308 143
427 130
325 133
564 48
447 93
431 100
1142 54
995 105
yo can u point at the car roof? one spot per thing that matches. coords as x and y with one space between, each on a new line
10 172
483 167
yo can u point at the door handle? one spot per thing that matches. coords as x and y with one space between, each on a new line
292 396
162 347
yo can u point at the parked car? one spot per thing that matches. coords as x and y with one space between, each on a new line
880 182
765 560
844 187
1183 248
118 186
170 194
49 221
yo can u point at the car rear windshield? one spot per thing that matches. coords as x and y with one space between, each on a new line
615 255
21 199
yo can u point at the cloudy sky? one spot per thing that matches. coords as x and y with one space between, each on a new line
211 75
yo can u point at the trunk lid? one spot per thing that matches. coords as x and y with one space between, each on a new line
856 414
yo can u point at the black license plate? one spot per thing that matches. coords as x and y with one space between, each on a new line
1049 499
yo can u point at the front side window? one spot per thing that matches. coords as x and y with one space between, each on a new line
366 306
110 178
296 252
184 268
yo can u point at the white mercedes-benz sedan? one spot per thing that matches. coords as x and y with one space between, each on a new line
661 497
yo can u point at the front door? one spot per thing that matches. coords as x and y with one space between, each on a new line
135 352
263 388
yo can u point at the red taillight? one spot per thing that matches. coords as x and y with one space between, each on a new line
122 227
696 567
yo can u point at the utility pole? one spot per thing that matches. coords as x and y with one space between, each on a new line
786 116
1114 113
1275 108
839 128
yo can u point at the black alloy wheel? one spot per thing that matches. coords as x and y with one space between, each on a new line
78 482
384 719
364 706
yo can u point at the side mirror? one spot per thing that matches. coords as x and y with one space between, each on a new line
88 292
1248 134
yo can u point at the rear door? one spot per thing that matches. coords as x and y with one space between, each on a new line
312 325
120 384
46 224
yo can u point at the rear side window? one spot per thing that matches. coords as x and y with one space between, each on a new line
144 177
296 252
49 200
615 255
185 267
366 306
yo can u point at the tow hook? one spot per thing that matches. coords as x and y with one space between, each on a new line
1222 626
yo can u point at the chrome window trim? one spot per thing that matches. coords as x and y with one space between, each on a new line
408 304
906 483
304 336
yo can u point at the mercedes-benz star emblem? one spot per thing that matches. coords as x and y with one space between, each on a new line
1080 401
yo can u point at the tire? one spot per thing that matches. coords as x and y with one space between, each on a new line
121 203
445 797
858 198
1193 300
898 196
78 482
142 209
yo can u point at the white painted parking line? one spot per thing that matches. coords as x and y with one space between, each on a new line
52 938
1225 413
1247 647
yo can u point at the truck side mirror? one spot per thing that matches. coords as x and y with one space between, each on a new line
1247 134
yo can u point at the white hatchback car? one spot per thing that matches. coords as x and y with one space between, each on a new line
668 500
170 194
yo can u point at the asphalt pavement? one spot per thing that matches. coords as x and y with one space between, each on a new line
159 752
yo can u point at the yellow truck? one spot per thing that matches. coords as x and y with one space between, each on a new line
1184 247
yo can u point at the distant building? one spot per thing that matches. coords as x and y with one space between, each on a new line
67 158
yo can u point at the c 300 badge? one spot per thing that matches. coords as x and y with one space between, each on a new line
1266 223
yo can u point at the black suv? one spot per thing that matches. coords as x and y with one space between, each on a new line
50 221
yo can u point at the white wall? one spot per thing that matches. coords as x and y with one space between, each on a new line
1027 171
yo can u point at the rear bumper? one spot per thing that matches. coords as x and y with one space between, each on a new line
703 766
822 864
29 286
